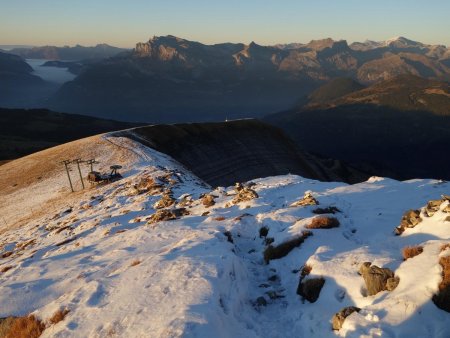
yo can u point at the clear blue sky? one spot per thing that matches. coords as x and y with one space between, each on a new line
125 22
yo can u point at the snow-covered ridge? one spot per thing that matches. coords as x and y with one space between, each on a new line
100 255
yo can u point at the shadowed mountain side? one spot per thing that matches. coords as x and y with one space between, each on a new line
229 152
139 89
332 90
381 140
23 132
18 86
403 92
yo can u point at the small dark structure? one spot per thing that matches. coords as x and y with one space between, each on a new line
94 177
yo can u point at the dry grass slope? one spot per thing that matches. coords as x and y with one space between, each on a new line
58 316
442 298
135 262
411 251
25 327
323 222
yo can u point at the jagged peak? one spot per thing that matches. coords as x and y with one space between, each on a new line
166 38
403 42
326 43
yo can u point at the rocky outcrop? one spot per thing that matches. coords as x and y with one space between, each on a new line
409 220
166 201
167 215
185 201
308 199
339 318
377 279
208 200
434 205
245 194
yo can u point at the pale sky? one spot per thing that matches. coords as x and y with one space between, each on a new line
124 22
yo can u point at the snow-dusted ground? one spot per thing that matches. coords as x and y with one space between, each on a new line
121 277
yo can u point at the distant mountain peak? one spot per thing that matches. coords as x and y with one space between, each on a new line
402 42
319 45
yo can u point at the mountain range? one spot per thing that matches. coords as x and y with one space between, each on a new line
67 53
169 79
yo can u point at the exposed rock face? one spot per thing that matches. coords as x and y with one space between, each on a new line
377 279
308 199
228 152
409 220
339 318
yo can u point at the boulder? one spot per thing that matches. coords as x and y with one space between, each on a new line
409 220
310 288
392 283
245 194
238 187
162 215
208 200
146 185
179 212
166 201
377 279
432 207
185 200
308 199
339 318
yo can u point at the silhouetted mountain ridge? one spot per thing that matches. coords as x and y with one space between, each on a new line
24 131
67 53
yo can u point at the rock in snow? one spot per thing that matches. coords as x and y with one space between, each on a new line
115 276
